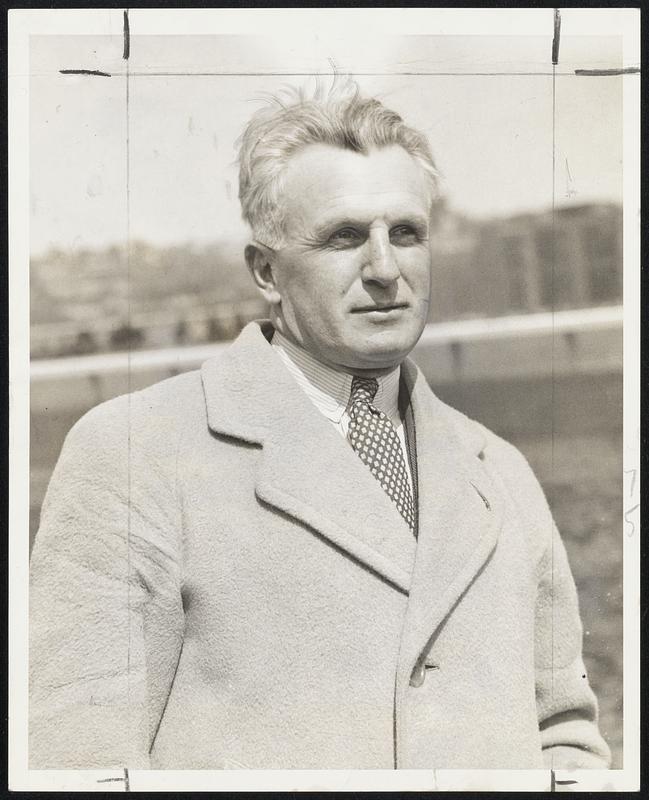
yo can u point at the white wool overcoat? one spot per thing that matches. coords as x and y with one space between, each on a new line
218 581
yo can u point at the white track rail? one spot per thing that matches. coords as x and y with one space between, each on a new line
533 345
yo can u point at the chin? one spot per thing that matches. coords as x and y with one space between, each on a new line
391 345
382 356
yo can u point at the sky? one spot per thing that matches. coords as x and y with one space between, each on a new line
491 135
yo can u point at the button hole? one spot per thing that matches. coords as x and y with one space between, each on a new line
431 666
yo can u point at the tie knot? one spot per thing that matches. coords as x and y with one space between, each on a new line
363 390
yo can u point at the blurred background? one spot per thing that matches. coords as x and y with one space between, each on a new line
137 268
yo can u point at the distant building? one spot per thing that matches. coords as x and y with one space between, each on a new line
528 263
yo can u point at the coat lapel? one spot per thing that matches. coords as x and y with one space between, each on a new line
460 515
306 469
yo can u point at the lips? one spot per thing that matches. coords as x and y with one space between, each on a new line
379 307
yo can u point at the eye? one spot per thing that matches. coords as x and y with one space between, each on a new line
346 237
406 235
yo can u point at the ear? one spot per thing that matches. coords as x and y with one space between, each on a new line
260 263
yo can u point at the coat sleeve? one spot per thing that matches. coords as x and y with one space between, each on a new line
567 707
104 594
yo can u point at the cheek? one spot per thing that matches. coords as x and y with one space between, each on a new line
309 297
325 280
415 267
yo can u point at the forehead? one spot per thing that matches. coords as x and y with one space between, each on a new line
322 182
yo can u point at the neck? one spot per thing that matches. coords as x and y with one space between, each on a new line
367 373
361 372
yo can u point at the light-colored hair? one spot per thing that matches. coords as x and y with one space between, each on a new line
293 119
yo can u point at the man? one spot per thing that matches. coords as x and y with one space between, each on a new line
298 557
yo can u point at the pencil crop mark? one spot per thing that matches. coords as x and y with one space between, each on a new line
556 38
269 74
125 778
604 72
127 37
85 72
554 782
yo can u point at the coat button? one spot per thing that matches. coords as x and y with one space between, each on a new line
418 674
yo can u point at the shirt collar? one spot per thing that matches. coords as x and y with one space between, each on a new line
329 389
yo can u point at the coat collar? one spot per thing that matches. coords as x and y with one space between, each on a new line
308 471
241 386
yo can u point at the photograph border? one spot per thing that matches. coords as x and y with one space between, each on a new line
24 23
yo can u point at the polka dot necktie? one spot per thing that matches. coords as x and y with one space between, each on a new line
374 438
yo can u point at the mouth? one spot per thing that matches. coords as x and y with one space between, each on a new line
379 308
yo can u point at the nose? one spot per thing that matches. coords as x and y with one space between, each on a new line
381 266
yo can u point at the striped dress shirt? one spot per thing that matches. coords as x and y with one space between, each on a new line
329 390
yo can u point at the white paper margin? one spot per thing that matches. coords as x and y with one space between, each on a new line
22 24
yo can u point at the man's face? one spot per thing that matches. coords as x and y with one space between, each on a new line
353 276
